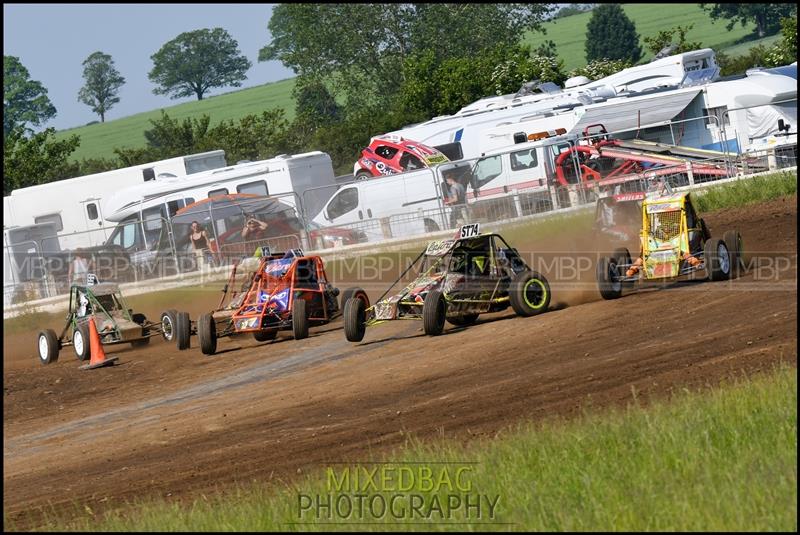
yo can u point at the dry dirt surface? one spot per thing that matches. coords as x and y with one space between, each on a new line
175 424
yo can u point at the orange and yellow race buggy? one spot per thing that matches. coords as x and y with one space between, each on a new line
287 292
674 242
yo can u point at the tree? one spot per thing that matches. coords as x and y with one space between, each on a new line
102 83
600 68
766 17
431 90
664 39
366 45
37 159
785 50
24 100
196 61
610 34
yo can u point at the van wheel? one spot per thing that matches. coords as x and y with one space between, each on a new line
48 346
431 226
207 334
434 311
300 319
363 175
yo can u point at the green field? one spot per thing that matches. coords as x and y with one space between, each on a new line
569 34
711 460
100 140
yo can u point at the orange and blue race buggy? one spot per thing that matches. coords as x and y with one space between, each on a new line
457 280
288 291
674 242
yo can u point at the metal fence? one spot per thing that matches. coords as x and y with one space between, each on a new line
156 247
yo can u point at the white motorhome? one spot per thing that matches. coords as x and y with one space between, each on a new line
74 205
303 181
744 114
465 126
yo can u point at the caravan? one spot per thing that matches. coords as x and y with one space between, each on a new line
75 206
735 115
141 212
458 135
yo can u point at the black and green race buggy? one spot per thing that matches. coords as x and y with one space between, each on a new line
457 280
115 323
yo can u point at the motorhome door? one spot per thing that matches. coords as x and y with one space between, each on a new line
97 233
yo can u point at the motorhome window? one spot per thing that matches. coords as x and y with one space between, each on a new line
148 174
386 152
343 202
221 191
717 116
259 187
189 200
152 218
55 219
174 206
487 170
91 211
204 163
524 159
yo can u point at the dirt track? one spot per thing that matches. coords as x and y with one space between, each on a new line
167 422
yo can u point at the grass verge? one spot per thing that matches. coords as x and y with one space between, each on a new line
718 459
748 191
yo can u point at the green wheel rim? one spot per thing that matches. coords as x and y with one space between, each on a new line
540 291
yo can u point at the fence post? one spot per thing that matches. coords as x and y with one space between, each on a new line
517 204
690 173
772 161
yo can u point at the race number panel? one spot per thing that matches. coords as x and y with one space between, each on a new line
469 231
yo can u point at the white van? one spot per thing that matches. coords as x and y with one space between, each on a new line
414 202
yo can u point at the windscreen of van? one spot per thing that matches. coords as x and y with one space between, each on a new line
487 170
344 201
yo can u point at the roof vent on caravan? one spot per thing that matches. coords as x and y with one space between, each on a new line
576 81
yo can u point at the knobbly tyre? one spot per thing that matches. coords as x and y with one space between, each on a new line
457 280
287 291
115 322
674 243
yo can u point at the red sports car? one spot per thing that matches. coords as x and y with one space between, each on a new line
387 155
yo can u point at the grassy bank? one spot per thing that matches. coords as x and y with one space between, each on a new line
748 191
719 459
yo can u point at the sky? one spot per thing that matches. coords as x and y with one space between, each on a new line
53 40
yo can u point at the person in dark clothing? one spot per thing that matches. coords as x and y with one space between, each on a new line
200 242
456 198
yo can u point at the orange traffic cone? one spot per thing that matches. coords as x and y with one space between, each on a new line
98 356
